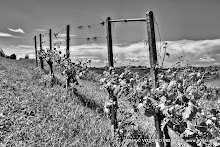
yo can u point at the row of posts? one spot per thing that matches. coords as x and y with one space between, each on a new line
50 45
153 61
154 71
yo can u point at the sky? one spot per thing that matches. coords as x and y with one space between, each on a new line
191 27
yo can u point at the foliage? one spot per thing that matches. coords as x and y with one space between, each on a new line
178 98
26 56
13 56
34 115
2 53
69 69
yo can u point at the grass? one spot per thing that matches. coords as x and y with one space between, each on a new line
36 110
34 115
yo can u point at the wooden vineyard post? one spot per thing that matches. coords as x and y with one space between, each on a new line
152 46
50 38
109 42
68 41
50 62
67 52
113 110
154 71
41 49
35 46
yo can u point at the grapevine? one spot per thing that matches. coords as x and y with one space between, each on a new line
178 98
72 71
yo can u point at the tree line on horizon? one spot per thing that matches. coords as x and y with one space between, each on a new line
12 56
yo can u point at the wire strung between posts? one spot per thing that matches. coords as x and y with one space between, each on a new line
158 29
89 39
59 38
81 27
59 34
89 27
44 40
94 38
44 35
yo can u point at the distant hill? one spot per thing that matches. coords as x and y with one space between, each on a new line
2 52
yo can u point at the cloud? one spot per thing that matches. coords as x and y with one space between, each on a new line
117 60
5 35
118 44
206 59
16 30
40 30
87 57
132 59
198 53
64 35
59 40
19 50
218 64
25 46
9 35
95 60
18 37
89 48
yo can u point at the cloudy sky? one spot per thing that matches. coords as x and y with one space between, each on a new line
190 27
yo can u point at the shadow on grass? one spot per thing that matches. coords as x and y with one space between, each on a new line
138 137
89 103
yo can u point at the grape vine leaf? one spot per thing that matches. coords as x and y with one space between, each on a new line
187 133
189 112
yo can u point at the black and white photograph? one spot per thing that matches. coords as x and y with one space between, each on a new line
109 73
